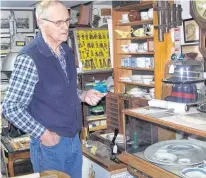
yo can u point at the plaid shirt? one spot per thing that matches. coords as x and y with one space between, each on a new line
19 94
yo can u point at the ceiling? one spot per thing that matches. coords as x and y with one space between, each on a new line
31 3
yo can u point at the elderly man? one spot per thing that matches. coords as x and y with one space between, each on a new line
43 99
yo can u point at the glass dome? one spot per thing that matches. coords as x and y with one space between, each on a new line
183 71
183 80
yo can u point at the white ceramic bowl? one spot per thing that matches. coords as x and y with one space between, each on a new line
135 77
147 79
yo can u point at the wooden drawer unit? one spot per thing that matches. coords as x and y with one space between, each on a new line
115 103
113 110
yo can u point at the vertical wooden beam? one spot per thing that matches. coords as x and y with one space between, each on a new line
163 51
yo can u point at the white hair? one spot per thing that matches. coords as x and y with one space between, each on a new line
43 6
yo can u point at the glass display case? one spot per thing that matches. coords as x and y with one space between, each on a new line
165 144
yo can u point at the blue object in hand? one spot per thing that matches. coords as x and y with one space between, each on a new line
101 87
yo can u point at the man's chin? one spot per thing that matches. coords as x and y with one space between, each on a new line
64 38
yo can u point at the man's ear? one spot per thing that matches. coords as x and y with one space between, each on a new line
39 22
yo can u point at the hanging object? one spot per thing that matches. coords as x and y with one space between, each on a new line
169 16
84 15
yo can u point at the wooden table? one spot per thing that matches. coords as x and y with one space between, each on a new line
13 155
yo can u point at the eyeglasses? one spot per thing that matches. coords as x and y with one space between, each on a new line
59 23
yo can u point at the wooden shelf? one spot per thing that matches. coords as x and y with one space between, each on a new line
101 127
138 6
140 22
135 68
137 38
138 84
94 120
136 53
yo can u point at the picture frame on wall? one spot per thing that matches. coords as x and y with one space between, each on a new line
24 20
191 48
191 30
5 45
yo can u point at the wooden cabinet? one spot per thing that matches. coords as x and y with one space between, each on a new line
162 50
85 79
115 103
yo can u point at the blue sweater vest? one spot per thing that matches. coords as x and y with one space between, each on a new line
55 103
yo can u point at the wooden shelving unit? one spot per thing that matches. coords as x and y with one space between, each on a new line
120 71
162 50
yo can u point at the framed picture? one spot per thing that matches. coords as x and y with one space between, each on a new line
24 20
191 31
5 45
193 48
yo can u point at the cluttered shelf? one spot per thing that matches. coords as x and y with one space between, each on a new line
138 6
